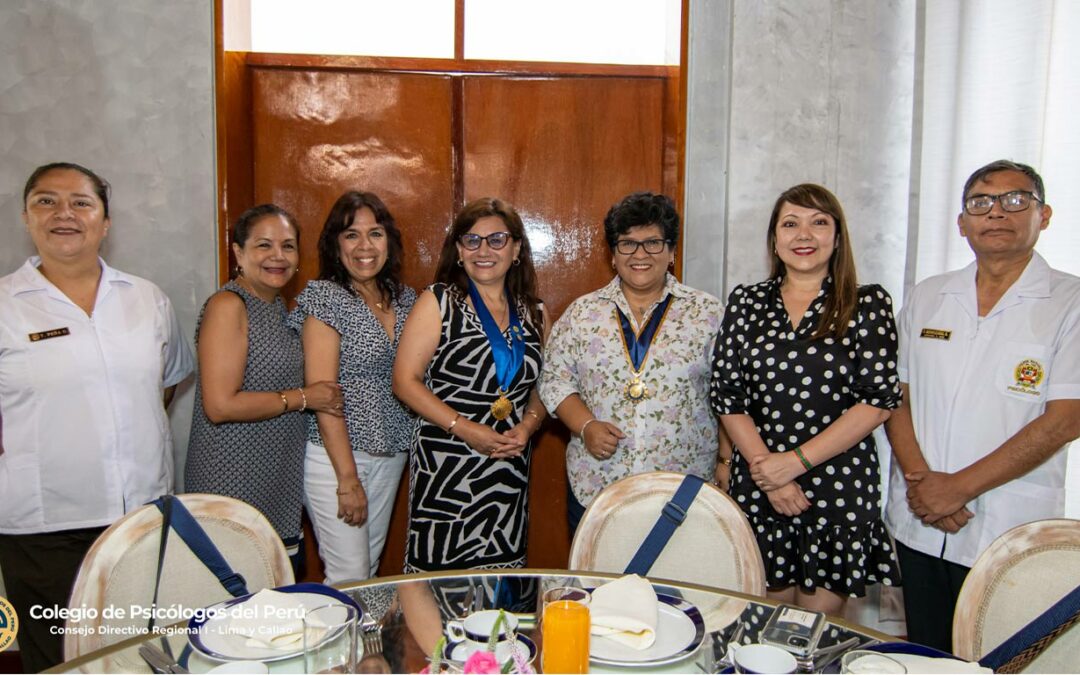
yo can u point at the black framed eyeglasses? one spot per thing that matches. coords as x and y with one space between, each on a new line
1016 200
495 240
630 246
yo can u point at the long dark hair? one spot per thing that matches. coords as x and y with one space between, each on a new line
341 217
521 283
843 297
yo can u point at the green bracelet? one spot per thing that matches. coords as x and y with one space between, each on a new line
802 458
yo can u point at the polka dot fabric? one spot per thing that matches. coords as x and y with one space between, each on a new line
794 388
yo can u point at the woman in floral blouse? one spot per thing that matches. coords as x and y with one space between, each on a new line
627 366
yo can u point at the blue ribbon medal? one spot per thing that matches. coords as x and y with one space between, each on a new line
636 348
508 357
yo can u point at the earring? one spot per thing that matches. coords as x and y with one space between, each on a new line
460 263
239 271
671 265
517 261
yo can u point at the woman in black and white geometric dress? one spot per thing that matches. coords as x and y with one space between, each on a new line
804 370
469 464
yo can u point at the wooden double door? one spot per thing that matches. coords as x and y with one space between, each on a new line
562 148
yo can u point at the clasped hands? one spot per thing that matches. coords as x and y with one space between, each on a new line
938 499
774 474
490 443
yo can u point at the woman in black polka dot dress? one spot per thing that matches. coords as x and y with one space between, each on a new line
804 371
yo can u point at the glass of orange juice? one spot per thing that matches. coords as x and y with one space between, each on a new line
565 627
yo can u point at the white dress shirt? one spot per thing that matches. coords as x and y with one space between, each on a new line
85 435
974 382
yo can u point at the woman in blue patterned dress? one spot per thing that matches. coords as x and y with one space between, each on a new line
468 365
352 317
247 430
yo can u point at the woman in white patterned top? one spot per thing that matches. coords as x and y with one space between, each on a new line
653 415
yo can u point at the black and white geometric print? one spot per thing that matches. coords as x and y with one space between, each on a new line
466 510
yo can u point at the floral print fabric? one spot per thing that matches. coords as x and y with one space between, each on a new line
673 429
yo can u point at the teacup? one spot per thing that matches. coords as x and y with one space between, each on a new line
756 658
475 631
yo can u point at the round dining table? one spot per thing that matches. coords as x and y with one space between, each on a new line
412 612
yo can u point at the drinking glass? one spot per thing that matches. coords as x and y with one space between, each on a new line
330 639
565 628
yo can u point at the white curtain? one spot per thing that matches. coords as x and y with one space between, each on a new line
1000 79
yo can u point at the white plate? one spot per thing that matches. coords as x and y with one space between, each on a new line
679 632
212 638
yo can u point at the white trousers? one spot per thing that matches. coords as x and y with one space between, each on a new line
350 553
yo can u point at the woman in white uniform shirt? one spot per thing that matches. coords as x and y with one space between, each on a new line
89 357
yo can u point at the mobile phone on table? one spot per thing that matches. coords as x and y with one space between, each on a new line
794 629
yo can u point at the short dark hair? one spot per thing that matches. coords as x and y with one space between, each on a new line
242 229
642 209
1005 165
101 186
341 217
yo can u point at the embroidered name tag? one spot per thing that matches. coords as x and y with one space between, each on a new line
49 334
935 334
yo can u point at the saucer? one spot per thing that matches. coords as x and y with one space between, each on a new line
461 651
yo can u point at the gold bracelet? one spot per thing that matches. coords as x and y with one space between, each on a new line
450 429
530 411
581 434
284 402
726 461
303 399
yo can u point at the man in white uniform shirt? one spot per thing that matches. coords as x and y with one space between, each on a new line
990 369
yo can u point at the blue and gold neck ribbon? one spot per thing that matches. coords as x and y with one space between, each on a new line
508 357
636 347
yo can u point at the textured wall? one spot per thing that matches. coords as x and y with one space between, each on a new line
124 87
818 91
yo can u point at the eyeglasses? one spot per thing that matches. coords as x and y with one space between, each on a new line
630 246
495 240
1017 200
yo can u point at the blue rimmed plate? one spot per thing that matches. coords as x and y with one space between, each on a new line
209 633
680 629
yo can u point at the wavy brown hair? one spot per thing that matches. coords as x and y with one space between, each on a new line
843 297
521 283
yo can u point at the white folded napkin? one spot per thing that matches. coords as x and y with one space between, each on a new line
269 620
625 610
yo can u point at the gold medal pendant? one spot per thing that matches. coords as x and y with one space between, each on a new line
636 390
502 407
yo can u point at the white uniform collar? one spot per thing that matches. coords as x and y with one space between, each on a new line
27 279
1034 282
